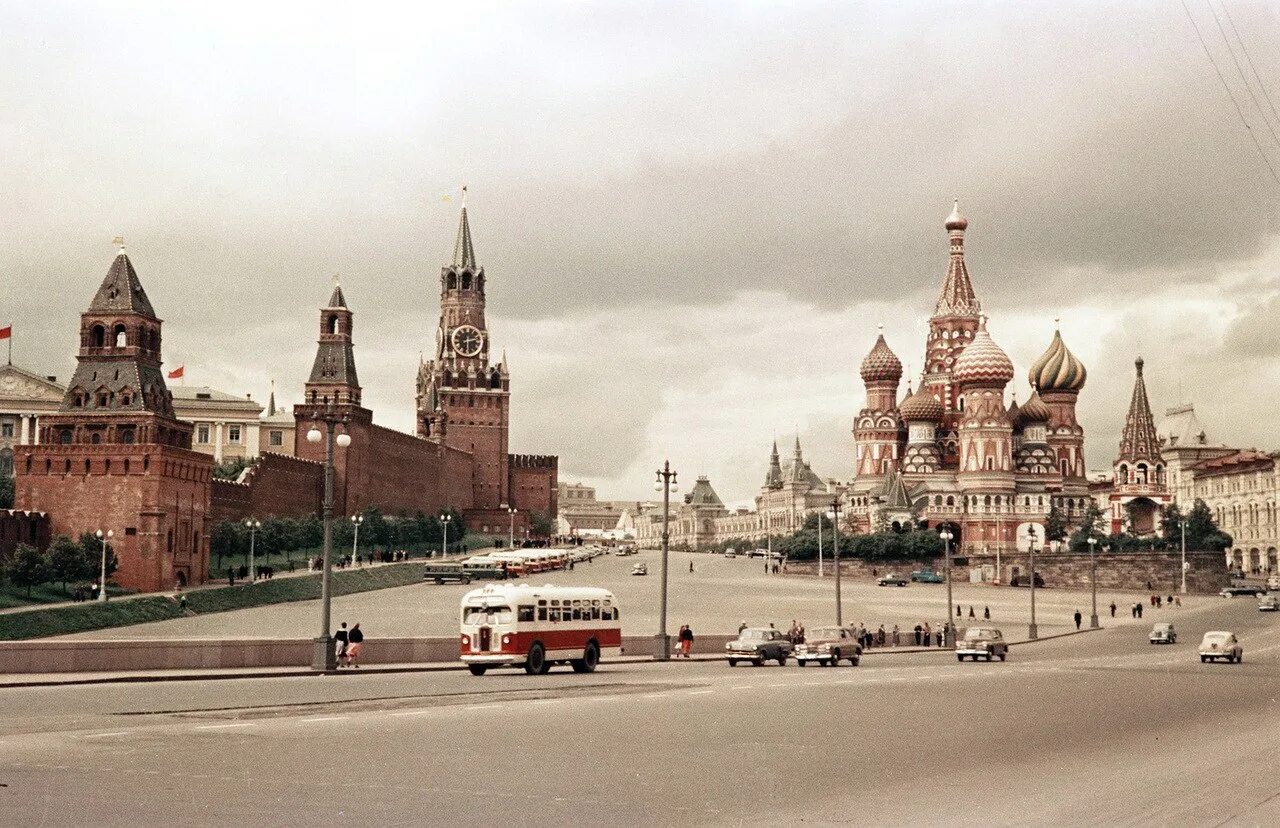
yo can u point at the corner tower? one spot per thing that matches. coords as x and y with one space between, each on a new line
463 400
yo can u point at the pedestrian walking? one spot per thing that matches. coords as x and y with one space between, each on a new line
1139 609
355 646
742 627
1179 600
686 640
986 613
896 636
690 566
971 615
342 640
1078 617
918 630
926 635
1113 609
880 636
800 633
938 635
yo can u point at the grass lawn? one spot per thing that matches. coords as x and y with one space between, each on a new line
11 596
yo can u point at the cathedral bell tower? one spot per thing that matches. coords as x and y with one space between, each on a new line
462 398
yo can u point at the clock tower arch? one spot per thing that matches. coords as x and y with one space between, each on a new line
463 399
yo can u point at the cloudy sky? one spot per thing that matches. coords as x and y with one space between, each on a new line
693 216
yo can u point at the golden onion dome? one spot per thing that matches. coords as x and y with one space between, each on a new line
1058 369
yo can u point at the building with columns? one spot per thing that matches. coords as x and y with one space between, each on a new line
225 426
25 397
955 452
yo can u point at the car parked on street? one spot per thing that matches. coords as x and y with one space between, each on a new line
1221 645
927 576
1269 603
1237 591
891 579
640 569
758 645
828 646
1273 582
982 642
1163 633
1022 580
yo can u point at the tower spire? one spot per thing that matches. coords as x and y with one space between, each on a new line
957 297
1139 440
464 253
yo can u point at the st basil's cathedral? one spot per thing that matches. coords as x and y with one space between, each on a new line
953 452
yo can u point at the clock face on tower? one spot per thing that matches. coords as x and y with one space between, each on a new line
467 340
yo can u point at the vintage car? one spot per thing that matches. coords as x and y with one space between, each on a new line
828 646
1163 633
758 645
1243 589
982 642
892 579
640 569
927 576
1023 581
1269 603
441 572
1221 644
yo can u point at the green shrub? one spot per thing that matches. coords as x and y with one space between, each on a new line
42 623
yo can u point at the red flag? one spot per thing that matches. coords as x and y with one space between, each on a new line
176 373
6 332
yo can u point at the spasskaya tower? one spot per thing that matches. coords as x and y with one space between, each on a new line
463 399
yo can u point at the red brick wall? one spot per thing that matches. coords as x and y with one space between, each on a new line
274 485
31 528
535 483
480 429
155 498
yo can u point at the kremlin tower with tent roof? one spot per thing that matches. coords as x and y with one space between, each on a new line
986 468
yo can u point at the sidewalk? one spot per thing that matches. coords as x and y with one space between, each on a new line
148 676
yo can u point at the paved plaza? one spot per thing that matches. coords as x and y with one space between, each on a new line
718 595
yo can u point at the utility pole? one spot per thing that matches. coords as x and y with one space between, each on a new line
666 483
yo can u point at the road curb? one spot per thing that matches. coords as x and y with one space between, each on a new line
428 668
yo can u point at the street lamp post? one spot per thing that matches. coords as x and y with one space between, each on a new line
323 656
1032 631
1093 581
445 520
102 588
356 520
665 483
1183 587
511 510
834 514
820 546
253 526
949 631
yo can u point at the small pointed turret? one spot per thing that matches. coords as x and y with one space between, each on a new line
271 400
957 297
464 253
773 477
1139 441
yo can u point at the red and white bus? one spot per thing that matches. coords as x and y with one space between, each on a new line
520 625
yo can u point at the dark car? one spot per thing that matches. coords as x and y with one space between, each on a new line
892 579
927 576
1236 591
758 645
828 646
982 642
1023 581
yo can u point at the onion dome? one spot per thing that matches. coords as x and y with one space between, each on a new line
955 221
1058 369
1034 411
881 365
921 407
982 361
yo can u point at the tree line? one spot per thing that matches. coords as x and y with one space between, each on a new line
65 562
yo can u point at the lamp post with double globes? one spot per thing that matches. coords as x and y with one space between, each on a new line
253 525
666 483
834 514
1032 630
323 656
445 520
356 520
102 585
949 631
511 510
1093 581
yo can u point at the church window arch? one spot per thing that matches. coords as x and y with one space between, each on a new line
97 336
333 324
118 335
1140 474
480 283
960 403
466 281
495 380
951 501
453 281
991 464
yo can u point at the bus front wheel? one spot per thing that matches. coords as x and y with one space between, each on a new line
590 658
536 664
477 669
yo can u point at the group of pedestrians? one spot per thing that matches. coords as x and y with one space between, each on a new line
349 645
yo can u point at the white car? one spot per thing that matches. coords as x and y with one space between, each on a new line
1163 633
1221 645
1269 603
640 569
1273 582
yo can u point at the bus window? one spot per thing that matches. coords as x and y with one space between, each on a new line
595 613
524 613
542 613
486 615
577 614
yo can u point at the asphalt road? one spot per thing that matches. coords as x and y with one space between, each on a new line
1088 729
714 598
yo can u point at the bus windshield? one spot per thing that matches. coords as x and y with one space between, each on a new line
487 615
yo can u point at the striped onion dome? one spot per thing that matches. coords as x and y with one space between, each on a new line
1058 369
982 361
881 364
1034 411
921 407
